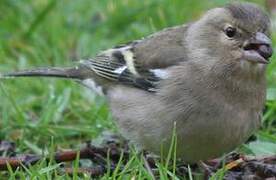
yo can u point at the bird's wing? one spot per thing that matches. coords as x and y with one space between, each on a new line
141 63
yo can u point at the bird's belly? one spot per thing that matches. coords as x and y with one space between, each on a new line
204 137
217 135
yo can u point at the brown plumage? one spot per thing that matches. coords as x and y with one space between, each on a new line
207 77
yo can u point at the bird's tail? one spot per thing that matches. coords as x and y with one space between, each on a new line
71 73
82 74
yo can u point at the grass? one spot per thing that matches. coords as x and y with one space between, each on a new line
42 115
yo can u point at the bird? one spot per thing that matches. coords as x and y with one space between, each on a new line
204 81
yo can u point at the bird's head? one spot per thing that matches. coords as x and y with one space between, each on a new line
237 34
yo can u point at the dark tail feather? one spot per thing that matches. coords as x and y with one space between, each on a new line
72 73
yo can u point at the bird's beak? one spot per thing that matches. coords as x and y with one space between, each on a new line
258 49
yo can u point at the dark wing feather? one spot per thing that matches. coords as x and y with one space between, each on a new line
114 66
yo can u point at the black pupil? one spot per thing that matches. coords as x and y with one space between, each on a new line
230 32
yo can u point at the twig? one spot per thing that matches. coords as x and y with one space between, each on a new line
15 162
88 152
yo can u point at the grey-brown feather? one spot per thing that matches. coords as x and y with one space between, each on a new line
162 49
250 13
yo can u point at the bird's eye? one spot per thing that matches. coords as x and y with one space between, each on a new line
230 31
